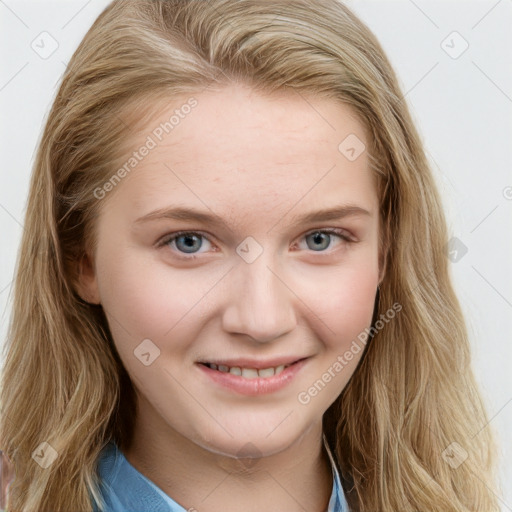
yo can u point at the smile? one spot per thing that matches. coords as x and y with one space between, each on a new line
247 380
248 373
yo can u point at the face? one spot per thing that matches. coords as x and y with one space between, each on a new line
252 281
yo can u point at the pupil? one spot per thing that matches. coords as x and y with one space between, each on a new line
190 240
317 237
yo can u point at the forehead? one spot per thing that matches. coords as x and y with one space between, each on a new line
234 148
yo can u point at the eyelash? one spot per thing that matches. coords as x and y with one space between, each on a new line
172 236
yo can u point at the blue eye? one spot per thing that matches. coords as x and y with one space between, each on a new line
323 238
188 243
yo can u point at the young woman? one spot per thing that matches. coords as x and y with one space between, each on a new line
232 290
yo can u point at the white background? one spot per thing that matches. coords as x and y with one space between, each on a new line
462 106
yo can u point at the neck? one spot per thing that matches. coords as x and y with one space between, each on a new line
298 478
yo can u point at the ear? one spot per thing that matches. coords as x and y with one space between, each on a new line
87 283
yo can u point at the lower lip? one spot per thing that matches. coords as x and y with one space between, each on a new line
257 386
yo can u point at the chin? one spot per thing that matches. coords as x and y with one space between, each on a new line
252 440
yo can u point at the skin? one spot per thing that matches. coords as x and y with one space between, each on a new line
256 161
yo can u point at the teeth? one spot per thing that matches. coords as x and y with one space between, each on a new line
280 368
248 373
266 372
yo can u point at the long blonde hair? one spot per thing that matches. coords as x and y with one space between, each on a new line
413 394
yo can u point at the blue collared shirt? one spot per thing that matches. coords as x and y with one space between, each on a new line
125 489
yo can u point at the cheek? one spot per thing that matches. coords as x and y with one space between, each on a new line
342 317
352 304
143 298
349 318
340 312
342 301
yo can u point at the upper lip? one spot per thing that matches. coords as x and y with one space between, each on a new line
257 364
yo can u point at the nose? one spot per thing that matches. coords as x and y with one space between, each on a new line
260 303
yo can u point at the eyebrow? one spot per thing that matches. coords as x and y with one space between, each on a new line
211 219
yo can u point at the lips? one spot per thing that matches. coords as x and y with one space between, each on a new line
248 380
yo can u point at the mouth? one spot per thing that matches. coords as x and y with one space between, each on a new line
251 377
249 370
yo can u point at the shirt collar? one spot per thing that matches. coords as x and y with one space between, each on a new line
125 489
338 502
